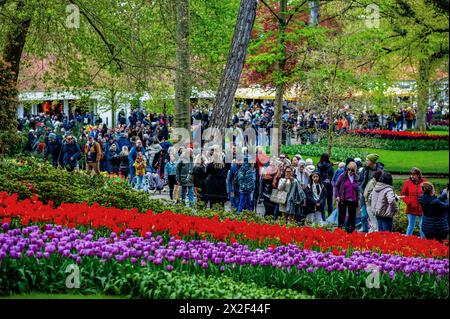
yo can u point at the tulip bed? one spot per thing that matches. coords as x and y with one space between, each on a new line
174 224
177 256
404 135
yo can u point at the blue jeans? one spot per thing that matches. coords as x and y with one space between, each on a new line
245 202
132 173
364 219
190 191
140 180
412 225
234 200
385 224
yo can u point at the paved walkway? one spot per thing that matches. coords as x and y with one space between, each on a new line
165 197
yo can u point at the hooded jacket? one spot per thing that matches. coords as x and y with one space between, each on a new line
184 174
383 201
435 214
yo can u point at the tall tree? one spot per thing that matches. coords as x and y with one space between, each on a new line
182 74
224 100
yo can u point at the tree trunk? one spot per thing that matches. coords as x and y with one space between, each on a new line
330 129
9 74
182 76
224 100
423 92
314 13
280 74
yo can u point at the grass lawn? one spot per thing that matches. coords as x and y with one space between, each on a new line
438 132
400 162
430 162
59 296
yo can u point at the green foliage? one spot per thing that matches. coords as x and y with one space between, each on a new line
27 275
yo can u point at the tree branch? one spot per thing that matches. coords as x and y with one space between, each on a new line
296 10
271 10
339 14
110 46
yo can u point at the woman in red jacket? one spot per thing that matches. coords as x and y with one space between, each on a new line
411 191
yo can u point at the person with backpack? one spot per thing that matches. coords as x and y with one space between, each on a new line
384 202
246 178
326 172
184 176
368 190
364 176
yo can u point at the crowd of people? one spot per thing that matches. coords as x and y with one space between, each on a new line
293 189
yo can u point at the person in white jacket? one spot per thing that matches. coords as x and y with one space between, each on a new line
384 202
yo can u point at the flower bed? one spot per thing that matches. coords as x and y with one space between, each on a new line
398 135
321 274
117 220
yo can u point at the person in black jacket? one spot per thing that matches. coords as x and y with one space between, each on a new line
435 213
53 148
316 194
326 173
216 181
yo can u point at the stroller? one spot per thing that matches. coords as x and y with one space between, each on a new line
152 182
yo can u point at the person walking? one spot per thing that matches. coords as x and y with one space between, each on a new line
435 213
53 148
266 186
70 153
138 148
246 177
326 172
184 177
113 158
369 188
384 202
170 174
199 178
411 190
233 184
365 175
139 165
347 197
124 166
315 198
93 153
215 180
